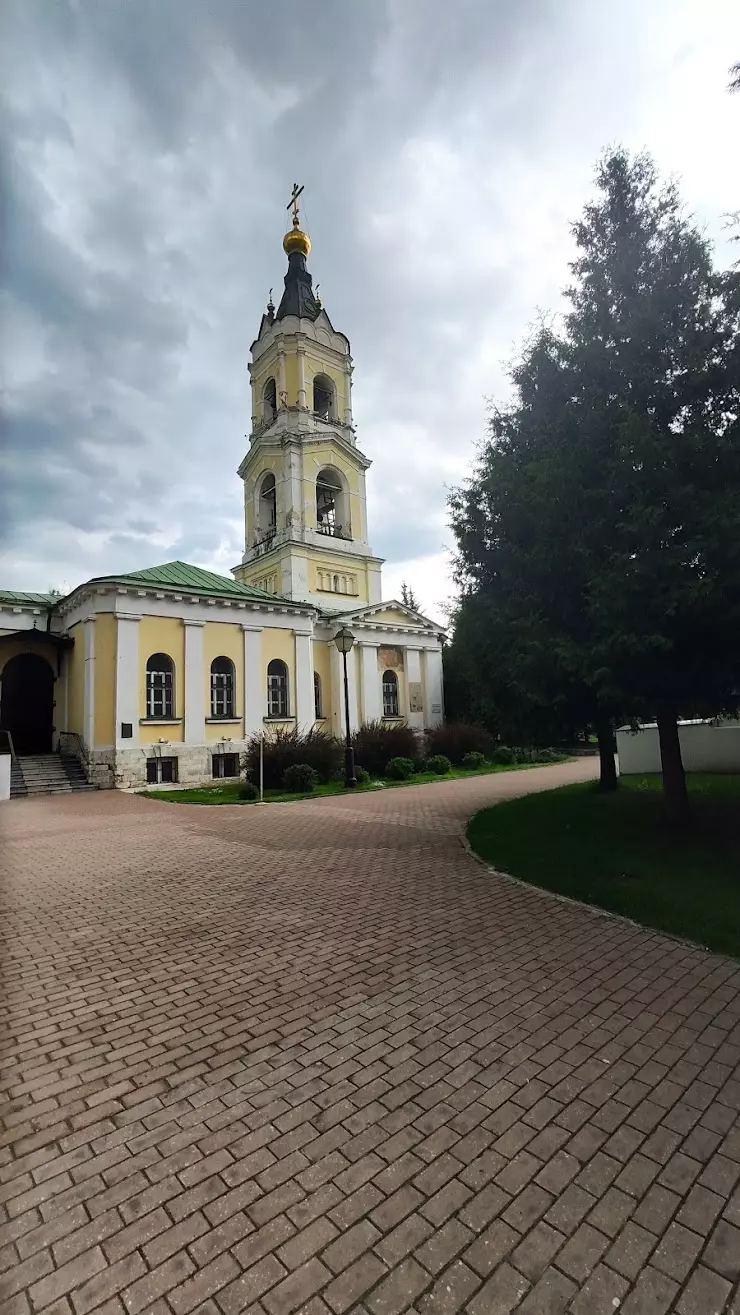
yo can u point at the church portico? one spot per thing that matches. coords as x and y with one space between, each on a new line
165 674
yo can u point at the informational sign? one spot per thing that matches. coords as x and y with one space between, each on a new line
416 696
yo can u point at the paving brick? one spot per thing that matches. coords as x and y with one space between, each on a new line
446 1113
351 1244
440 1249
500 1294
652 1294
704 1294
354 1282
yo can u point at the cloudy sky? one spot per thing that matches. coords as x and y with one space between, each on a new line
150 146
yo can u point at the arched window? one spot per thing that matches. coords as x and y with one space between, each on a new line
317 704
324 397
390 694
332 504
277 689
269 401
222 687
267 507
160 686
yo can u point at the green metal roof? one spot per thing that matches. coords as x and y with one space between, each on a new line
21 598
181 575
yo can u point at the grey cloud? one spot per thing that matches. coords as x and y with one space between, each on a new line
150 146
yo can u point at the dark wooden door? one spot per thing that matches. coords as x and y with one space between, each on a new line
27 706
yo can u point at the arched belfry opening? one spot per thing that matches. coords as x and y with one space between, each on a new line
267 506
332 504
324 397
27 702
269 401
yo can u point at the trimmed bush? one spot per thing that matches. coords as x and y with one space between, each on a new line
286 746
375 743
300 778
421 765
399 769
362 776
248 790
548 756
456 738
474 761
439 764
503 756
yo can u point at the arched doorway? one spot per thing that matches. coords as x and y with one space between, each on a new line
27 705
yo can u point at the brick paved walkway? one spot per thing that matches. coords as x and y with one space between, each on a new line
314 1057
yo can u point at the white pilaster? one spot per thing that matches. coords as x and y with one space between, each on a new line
255 689
372 701
195 713
301 377
412 663
434 689
128 678
88 732
281 378
337 686
304 701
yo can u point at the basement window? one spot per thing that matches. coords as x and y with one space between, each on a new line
224 764
161 771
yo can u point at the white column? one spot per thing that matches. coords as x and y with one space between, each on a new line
255 688
372 701
305 710
434 700
89 698
128 678
195 712
348 395
281 379
337 685
301 377
412 664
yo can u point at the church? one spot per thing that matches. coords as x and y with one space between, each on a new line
162 675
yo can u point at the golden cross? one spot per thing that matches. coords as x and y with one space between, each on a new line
294 202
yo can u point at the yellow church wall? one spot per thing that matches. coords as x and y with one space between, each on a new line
75 660
105 679
279 644
322 664
322 563
16 646
313 366
223 640
160 634
389 614
291 379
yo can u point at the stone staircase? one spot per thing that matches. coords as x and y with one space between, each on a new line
47 773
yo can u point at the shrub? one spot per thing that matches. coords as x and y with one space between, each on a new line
362 776
503 756
300 778
248 790
375 743
421 765
456 738
548 756
286 746
399 769
474 761
439 764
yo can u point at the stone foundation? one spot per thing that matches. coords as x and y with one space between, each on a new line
194 765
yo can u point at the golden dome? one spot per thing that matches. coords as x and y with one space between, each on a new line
296 240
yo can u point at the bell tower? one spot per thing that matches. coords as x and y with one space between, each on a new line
305 510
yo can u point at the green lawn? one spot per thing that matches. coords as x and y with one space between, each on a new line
616 851
228 792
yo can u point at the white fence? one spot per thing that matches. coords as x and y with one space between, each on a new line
705 747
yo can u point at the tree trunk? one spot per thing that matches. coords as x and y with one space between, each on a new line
675 794
608 776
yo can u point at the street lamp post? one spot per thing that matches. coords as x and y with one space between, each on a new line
344 639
